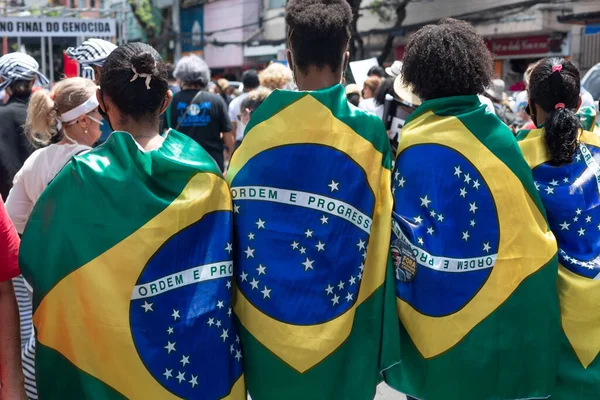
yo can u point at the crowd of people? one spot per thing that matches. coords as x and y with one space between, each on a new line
299 237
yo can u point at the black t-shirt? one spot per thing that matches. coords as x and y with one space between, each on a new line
204 122
14 146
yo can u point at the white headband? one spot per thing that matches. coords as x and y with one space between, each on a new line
82 109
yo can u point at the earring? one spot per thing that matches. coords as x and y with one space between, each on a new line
86 131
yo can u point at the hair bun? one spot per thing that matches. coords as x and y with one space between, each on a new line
144 63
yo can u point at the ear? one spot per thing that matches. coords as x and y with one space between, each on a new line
346 61
290 59
168 99
578 104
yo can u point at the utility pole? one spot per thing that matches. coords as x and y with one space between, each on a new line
177 28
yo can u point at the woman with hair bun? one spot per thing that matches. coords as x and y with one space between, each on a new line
564 161
128 252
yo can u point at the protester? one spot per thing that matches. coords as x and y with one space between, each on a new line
402 104
199 114
224 90
11 373
250 81
353 94
370 87
275 76
561 157
385 87
18 73
72 102
311 191
465 206
173 84
376 72
251 103
91 56
138 210
495 92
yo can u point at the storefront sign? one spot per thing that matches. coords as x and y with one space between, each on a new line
57 27
530 45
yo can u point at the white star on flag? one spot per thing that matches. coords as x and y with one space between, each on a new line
476 184
170 330
361 267
418 219
440 218
229 248
211 321
578 157
420 241
349 297
308 233
244 276
537 185
229 312
341 285
231 349
185 360
486 247
457 171
472 222
228 284
352 281
224 335
181 377
324 220
564 226
260 224
599 227
236 209
266 293
320 246
425 201
336 299
430 230
466 236
578 211
361 244
261 269
251 236
147 306
218 324
554 182
175 314
194 381
396 175
432 213
308 264
575 219
566 180
170 347
334 185
581 232
472 207
463 193
168 373
329 289
549 190
254 284
295 245
588 219
249 252
302 250
238 355
401 182
220 304
467 178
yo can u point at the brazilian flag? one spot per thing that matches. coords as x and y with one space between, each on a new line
479 313
129 253
312 210
571 194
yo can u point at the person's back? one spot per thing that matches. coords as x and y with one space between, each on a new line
564 163
128 251
480 293
311 191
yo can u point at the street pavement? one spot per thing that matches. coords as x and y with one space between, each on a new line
384 392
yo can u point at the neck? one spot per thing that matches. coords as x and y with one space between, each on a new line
317 78
76 135
145 134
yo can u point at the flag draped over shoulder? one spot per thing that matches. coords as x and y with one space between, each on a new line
130 257
312 210
571 194
479 316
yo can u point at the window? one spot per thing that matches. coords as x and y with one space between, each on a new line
277 3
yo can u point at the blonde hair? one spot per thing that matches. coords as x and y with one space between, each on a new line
275 76
44 107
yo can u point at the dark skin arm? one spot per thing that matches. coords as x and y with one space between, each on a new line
11 372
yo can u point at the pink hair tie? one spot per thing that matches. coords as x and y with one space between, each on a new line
559 105
557 68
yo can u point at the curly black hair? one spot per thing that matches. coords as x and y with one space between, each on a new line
447 59
554 86
319 32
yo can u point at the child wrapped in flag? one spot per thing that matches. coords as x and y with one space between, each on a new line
129 252
564 161
479 312
312 209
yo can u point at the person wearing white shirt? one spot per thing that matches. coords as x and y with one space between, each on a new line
68 117
250 81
